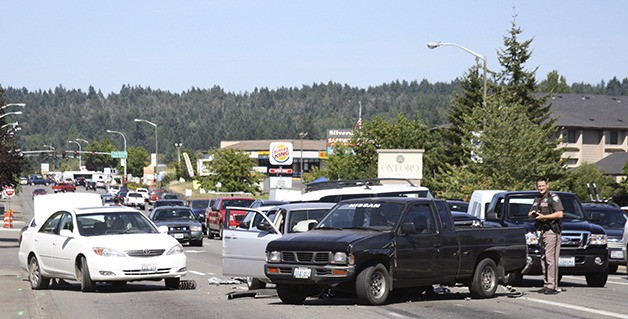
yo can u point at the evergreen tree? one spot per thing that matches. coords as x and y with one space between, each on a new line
554 83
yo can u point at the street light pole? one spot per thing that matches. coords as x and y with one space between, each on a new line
79 154
124 138
302 135
156 145
12 104
9 113
54 156
434 45
14 124
178 146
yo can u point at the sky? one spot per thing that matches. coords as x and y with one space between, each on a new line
243 45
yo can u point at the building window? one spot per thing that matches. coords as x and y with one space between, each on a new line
612 138
572 136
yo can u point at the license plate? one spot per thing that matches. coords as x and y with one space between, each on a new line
149 267
567 262
617 254
302 273
178 236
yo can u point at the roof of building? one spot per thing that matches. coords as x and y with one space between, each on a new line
590 111
264 145
613 164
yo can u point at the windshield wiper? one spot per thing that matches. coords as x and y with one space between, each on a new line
363 228
326 227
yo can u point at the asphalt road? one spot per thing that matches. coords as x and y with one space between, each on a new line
210 298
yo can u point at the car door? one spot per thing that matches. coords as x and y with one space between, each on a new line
419 253
66 247
46 238
244 249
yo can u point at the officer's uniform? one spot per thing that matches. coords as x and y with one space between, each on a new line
550 237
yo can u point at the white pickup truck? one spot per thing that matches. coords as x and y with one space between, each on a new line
135 199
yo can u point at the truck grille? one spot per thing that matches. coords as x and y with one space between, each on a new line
575 239
306 257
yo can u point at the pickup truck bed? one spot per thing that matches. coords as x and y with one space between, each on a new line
63 187
372 246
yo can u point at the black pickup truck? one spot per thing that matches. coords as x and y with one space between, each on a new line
583 245
370 246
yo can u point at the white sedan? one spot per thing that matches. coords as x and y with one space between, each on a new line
101 244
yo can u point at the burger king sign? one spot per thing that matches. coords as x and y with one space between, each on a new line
280 153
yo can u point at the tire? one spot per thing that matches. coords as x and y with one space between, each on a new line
143 207
612 269
87 284
220 232
372 285
597 279
292 294
198 243
210 235
255 283
172 283
513 278
484 282
34 275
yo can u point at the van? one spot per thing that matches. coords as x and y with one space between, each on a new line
479 202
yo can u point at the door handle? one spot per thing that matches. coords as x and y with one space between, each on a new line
231 237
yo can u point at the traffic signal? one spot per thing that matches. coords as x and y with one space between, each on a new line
63 153
75 154
93 153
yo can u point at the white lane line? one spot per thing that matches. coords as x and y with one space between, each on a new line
608 281
579 308
394 314
196 273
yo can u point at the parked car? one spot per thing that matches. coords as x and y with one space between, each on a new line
39 191
169 196
63 187
101 184
216 214
372 246
181 223
90 185
23 180
144 192
38 180
613 220
457 205
107 199
119 198
267 202
168 202
155 194
79 181
99 244
113 189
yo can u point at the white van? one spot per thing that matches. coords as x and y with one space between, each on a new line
480 199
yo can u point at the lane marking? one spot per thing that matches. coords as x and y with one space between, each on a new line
579 308
608 281
196 273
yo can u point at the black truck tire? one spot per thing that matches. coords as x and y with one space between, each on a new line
513 278
291 294
34 275
372 285
612 268
255 283
172 283
484 282
597 279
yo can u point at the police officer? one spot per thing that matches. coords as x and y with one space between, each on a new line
547 210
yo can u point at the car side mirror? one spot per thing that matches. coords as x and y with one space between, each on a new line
492 216
244 225
408 228
163 229
263 226
66 233
311 225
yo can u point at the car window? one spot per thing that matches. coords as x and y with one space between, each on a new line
380 216
421 216
112 223
236 203
297 216
444 215
52 223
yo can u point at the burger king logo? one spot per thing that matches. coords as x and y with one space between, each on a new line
281 153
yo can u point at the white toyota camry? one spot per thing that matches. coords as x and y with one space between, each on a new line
102 244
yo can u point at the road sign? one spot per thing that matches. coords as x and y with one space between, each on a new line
8 191
118 154
280 170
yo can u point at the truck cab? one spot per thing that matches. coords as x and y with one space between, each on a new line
583 248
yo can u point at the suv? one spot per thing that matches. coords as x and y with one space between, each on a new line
216 214
612 219
135 199
583 244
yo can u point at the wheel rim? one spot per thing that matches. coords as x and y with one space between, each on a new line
488 279
378 284
34 276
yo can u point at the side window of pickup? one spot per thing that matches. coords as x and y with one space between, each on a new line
421 216
444 214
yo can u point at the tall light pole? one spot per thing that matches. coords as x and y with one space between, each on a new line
10 113
434 45
124 138
156 145
79 153
302 135
54 156
12 104
14 125
178 146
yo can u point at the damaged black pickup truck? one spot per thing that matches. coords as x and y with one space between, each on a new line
371 246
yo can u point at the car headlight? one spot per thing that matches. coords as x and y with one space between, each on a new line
598 239
273 256
176 249
532 238
108 252
616 240
196 228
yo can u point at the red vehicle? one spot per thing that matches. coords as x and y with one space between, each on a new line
64 187
154 195
216 214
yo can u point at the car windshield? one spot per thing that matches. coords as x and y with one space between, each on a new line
303 217
369 215
173 214
237 202
199 203
114 223
519 206
609 218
